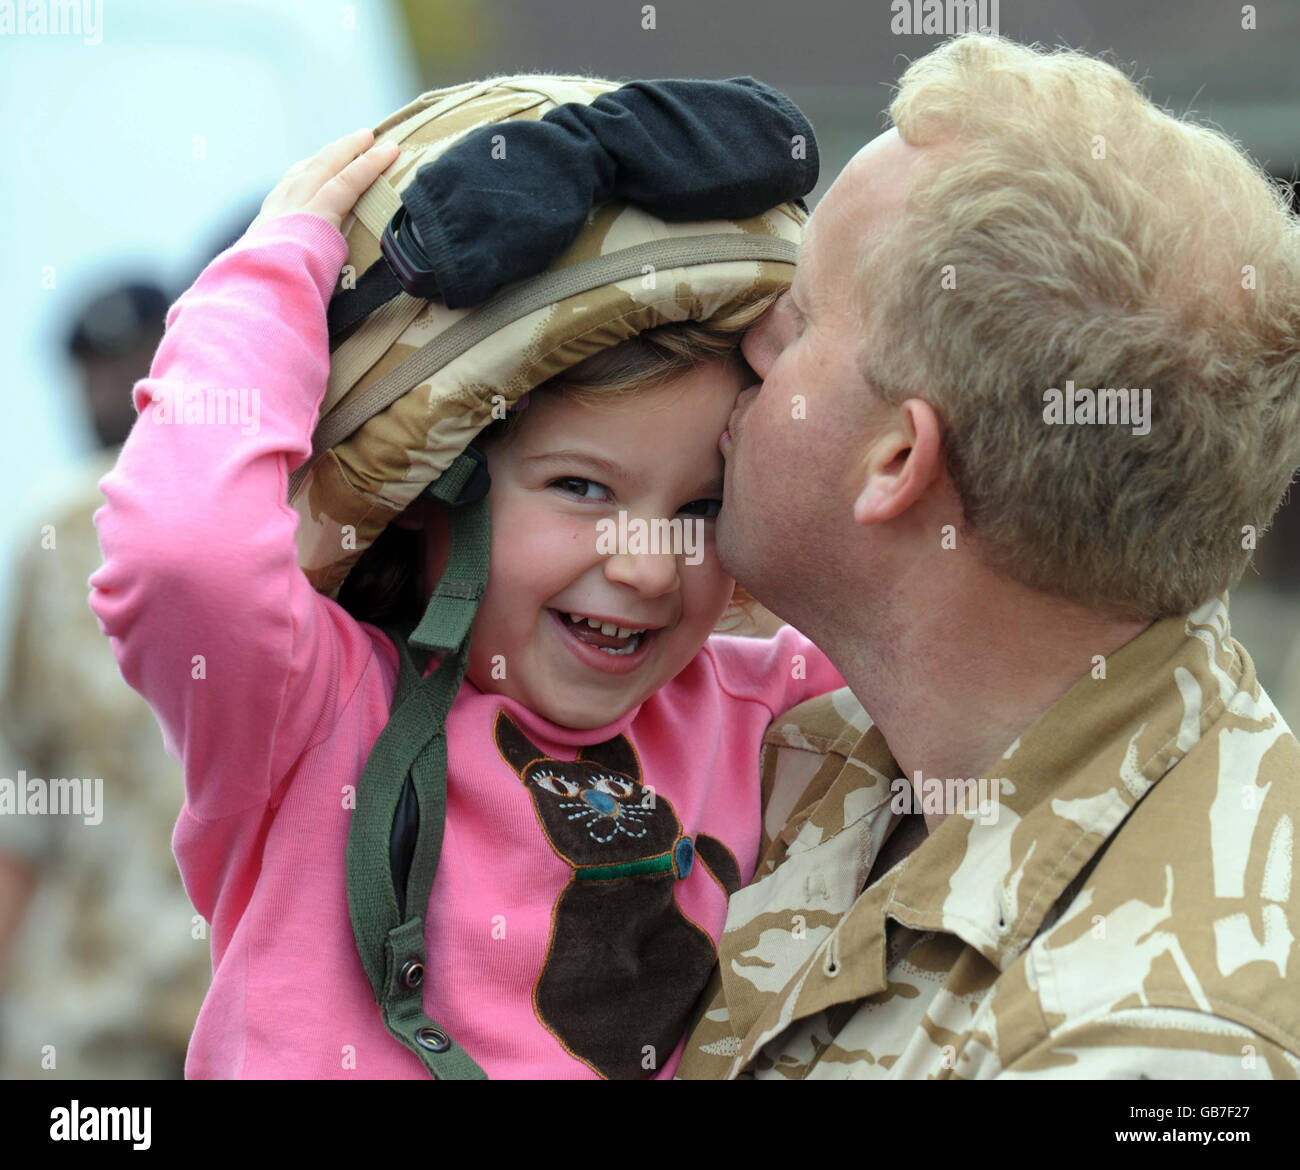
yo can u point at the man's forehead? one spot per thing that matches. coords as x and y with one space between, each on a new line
881 171
872 188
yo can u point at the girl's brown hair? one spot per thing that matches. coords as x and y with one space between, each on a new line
384 585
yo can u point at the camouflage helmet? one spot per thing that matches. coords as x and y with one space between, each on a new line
411 383
415 382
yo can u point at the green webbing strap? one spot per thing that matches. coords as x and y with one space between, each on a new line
410 757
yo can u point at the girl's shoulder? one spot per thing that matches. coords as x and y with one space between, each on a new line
729 651
778 671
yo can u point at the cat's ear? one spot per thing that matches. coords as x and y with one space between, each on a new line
515 747
614 755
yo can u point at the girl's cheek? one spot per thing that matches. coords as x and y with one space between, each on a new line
708 586
520 526
537 551
550 532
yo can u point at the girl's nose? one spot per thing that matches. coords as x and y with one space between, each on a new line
650 574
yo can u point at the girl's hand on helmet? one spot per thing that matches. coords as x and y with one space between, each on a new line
330 183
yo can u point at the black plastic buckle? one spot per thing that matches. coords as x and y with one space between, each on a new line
474 488
404 250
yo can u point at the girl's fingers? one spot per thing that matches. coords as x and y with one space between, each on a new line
340 194
338 154
330 182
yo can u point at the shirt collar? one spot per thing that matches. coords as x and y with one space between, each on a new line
1067 783
553 738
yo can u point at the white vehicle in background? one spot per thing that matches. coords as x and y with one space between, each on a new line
132 153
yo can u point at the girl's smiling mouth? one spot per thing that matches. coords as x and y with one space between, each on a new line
604 645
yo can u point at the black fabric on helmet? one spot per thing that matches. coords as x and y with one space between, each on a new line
508 198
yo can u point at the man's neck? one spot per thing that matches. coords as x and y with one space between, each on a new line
964 664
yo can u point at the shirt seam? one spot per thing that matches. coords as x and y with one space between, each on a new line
827 747
726 690
1043 959
344 704
1221 1009
314 740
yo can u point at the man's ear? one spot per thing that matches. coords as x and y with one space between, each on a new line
902 463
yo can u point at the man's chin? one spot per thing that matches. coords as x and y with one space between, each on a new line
731 548
758 569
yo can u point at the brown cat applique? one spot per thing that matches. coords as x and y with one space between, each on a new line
624 965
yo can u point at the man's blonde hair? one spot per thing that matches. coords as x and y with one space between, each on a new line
1093 238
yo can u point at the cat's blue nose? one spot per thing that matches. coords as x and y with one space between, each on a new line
602 802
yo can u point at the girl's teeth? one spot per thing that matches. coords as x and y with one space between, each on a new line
605 627
634 636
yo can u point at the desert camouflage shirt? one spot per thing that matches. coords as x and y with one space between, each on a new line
108 970
1129 913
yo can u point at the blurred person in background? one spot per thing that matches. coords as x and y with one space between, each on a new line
103 963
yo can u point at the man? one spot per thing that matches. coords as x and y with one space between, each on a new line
103 966
1087 871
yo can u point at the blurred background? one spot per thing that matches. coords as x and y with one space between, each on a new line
142 139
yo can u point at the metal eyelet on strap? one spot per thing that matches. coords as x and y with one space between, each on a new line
434 1039
412 974
831 960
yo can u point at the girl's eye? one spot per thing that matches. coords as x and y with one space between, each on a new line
588 489
707 509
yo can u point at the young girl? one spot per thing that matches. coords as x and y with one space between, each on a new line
602 789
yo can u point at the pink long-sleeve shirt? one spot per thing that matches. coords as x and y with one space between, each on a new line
271 696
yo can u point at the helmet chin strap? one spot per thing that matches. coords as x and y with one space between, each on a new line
396 832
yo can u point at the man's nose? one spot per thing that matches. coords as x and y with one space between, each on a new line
743 399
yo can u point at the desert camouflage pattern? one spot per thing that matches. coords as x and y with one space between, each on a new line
354 490
1130 914
110 963
1289 700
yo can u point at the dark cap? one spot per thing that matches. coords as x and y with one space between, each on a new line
118 321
